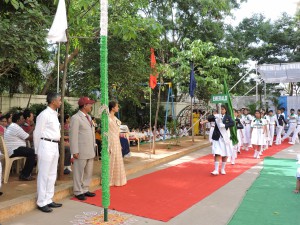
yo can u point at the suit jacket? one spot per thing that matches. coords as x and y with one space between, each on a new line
228 122
82 136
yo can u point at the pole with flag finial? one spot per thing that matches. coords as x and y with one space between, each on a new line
104 103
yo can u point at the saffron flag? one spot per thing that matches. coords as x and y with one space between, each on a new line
233 130
153 78
57 32
193 82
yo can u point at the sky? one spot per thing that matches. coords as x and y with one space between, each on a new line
269 8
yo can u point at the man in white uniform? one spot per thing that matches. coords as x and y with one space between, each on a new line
292 124
297 130
46 138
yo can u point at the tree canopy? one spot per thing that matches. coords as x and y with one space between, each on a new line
179 31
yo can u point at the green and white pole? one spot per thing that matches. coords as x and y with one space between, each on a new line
104 105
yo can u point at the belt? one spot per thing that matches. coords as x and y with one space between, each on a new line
47 139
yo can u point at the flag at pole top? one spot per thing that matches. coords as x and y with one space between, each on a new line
153 75
57 32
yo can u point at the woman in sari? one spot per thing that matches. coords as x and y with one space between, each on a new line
117 169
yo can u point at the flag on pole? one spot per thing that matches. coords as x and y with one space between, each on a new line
233 130
57 32
153 78
193 82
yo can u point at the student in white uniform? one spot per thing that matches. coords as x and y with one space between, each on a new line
292 118
266 121
221 144
258 131
295 137
247 126
273 121
236 148
279 126
241 131
282 111
46 138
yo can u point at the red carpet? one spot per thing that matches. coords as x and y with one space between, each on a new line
164 194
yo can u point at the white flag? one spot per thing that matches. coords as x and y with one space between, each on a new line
57 32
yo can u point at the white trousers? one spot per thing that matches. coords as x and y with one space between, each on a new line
272 131
292 127
295 135
247 137
48 154
278 133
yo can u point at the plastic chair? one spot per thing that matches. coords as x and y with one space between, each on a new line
8 161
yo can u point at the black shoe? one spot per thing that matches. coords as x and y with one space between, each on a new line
54 205
1 193
80 197
89 194
23 178
45 209
67 171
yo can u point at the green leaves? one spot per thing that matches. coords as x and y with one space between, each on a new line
210 69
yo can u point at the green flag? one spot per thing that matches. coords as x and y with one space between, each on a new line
233 130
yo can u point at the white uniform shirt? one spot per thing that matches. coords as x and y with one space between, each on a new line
47 126
294 119
273 120
14 138
298 120
247 119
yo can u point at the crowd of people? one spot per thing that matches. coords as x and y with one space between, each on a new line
258 132
38 140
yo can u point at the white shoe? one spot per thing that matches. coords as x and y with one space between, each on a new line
215 172
258 156
232 163
260 153
250 146
247 149
223 172
291 143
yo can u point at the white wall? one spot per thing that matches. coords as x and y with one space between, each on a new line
21 100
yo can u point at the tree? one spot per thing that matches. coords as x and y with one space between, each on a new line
210 69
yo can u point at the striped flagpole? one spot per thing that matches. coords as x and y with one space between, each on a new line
104 104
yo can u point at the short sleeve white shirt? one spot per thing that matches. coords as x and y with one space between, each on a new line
14 137
47 126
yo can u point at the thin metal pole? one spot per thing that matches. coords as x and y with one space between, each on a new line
192 119
240 80
265 94
167 109
150 123
58 64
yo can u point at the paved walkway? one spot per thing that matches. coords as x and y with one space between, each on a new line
216 209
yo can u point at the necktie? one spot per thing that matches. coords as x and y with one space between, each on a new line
89 120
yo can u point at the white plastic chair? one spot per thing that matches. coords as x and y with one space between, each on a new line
8 161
